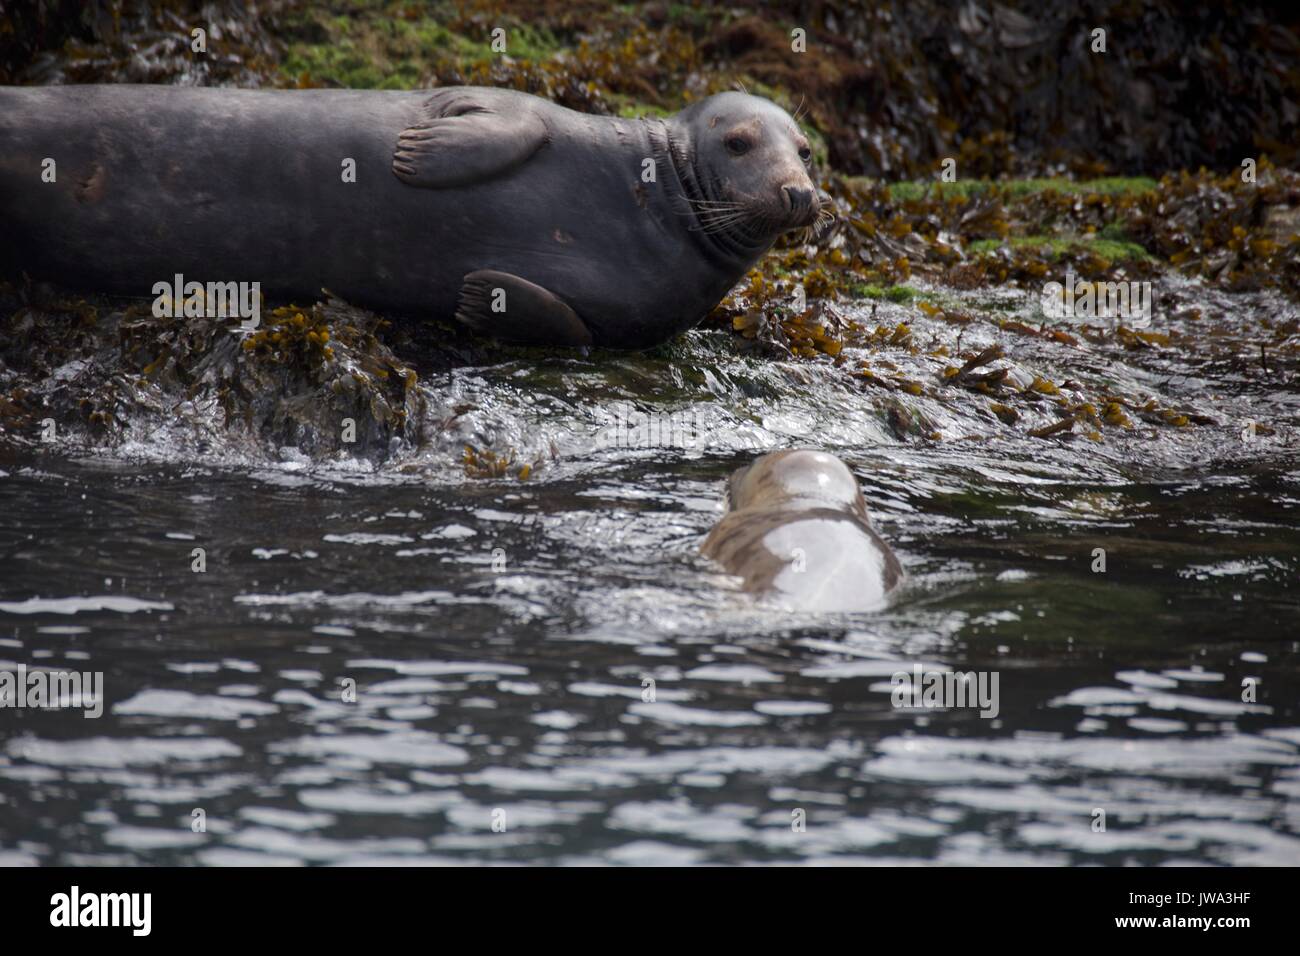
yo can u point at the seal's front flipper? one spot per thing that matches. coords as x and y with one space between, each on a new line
512 309
465 137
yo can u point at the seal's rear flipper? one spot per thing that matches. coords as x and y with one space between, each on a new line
512 309
465 139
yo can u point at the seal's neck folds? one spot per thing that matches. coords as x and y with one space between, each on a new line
686 189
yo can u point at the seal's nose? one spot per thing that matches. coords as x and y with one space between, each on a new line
798 199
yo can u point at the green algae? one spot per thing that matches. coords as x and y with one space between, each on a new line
393 46
1054 247
965 189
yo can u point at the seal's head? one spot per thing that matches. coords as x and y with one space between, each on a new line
751 168
794 479
797 527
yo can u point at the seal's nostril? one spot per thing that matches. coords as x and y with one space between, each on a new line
797 199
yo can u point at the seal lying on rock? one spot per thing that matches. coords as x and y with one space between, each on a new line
796 528
522 219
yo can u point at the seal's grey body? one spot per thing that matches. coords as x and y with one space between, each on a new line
523 219
797 528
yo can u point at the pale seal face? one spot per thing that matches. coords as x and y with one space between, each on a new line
754 168
797 527
791 479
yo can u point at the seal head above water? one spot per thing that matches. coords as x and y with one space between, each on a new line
522 219
797 529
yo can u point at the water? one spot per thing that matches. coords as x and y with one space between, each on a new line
500 633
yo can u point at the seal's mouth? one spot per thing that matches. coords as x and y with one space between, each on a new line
755 221
822 226
808 209
737 224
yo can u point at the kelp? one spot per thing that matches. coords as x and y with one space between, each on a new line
890 89
486 463
318 379
1238 234
1004 90
137 41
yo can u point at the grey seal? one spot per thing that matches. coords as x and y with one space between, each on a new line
797 529
520 218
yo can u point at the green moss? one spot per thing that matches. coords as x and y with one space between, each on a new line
1057 246
1114 231
894 293
1112 186
1117 249
631 108
527 42
380 46
1122 185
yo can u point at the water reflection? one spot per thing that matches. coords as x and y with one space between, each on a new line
401 665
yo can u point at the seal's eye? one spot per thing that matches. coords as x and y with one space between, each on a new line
805 154
737 145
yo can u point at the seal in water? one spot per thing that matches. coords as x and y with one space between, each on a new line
522 219
797 528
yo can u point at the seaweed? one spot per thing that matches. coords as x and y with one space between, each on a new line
315 378
1116 167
